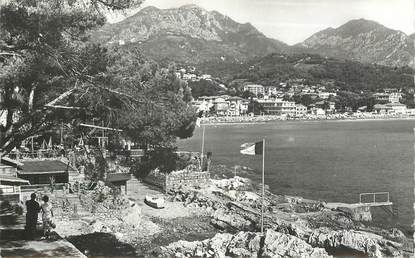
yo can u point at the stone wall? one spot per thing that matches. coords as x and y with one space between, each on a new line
156 178
175 179
186 178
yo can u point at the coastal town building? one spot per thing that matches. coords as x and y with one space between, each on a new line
318 111
189 76
326 95
255 89
390 108
392 97
300 110
328 106
206 77
223 105
278 107
396 108
237 106
202 105
270 91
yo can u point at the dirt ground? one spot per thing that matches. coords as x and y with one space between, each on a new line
136 235
137 192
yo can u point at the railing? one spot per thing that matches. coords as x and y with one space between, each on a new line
29 188
374 196
41 154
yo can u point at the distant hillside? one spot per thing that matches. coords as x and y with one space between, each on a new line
345 74
189 34
364 41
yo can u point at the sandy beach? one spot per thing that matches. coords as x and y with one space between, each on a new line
268 119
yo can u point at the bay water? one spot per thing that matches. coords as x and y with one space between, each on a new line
333 161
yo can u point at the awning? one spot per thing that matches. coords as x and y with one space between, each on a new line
11 180
11 162
40 172
118 177
37 167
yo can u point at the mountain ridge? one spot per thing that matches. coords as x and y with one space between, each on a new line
197 34
361 40
191 34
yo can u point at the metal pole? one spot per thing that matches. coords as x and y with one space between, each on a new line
203 146
263 186
61 133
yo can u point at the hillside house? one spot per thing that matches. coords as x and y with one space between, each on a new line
255 89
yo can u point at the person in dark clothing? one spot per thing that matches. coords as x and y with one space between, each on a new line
32 210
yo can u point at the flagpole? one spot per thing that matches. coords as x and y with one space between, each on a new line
203 146
263 186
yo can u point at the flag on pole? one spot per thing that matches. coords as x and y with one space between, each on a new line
252 148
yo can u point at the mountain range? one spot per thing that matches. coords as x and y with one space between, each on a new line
192 35
189 34
364 41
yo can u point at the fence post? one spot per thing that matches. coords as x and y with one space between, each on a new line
374 197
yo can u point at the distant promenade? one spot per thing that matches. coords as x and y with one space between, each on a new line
271 118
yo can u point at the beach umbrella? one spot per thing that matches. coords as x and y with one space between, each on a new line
50 143
44 144
81 142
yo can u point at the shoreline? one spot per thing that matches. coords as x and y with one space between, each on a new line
227 173
267 120
225 206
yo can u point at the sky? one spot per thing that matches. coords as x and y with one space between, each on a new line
292 21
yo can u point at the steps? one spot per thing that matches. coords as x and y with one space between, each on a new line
133 184
69 205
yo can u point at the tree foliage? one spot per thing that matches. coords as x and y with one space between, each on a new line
205 88
50 73
158 108
347 75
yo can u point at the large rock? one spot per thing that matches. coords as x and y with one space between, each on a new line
282 245
132 215
243 244
367 243
225 219
218 245
234 183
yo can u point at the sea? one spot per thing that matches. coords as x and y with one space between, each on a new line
332 161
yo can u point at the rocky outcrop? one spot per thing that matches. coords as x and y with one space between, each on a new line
305 222
243 244
366 243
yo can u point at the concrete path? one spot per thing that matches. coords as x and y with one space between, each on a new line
14 244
